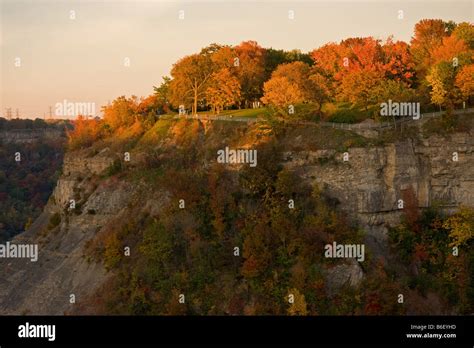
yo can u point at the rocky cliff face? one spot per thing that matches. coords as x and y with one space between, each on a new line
46 286
368 186
30 135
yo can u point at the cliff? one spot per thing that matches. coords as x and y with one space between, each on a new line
367 187
30 135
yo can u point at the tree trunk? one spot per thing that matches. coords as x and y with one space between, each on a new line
195 101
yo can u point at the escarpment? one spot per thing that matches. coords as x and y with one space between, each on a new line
367 183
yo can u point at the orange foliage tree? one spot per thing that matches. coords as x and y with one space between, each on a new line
85 132
465 82
250 70
224 90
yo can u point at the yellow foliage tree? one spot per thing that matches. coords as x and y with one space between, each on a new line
279 91
298 307
460 226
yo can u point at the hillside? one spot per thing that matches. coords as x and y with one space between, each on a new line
31 155
167 223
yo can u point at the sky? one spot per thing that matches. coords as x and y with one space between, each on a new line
81 56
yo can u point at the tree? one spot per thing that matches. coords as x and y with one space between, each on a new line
223 91
279 91
163 95
296 72
273 58
394 90
298 305
85 132
319 88
429 35
191 77
398 62
460 226
363 54
224 57
358 87
121 112
465 31
251 70
451 47
441 80
330 58
465 81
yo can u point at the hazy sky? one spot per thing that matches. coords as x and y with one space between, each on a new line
82 59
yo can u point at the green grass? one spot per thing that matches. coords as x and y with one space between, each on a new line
343 112
251 113
157 132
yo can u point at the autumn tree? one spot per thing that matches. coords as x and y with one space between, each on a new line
121 112
465 82
465 31
279 91
296 82
429 34
394 90
357 68
319 88
298 303
296 72
452 49
225 57
398 62
250 71
224 90
358 87
441 79
85 132
191 77
460 226
330 58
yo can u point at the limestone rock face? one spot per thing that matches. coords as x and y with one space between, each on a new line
367 188
370 184
346 274
77 165
30 135
45 287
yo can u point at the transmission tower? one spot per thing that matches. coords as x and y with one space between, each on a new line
9 113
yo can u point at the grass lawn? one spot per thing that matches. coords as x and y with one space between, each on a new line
251 113
342 112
